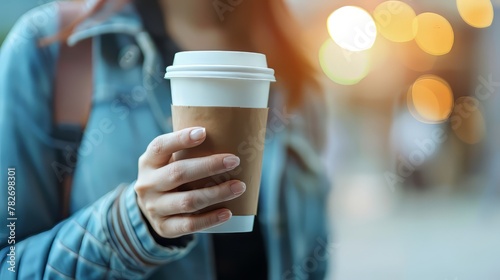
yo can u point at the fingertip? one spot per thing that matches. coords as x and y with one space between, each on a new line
224 215
231 161
237 187
197 134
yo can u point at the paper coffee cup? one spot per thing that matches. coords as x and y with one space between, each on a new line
227 92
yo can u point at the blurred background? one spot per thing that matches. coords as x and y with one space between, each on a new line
413 88
414 151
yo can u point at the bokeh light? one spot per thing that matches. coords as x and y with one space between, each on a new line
394 21
467 120
430 99
342 66
434 33
476 13
352 28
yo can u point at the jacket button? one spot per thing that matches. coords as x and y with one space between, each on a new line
129 56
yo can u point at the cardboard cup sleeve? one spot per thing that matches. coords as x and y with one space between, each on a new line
235 130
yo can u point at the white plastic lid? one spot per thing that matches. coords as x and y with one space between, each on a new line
220 64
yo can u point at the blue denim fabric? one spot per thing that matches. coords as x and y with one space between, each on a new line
105 237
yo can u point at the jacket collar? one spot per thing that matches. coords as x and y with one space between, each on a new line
117 16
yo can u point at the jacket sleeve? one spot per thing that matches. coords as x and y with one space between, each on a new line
107 239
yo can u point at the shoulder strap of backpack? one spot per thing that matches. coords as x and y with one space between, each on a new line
73 84
72 97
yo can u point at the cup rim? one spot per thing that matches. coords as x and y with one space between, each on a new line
220 71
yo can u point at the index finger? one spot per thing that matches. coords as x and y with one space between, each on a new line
160 150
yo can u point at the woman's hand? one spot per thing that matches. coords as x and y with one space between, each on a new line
170 213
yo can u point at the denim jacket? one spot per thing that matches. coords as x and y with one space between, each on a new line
105 236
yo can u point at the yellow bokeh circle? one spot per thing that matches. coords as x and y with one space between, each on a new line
433 33
341 66
430 99
476 13
394 21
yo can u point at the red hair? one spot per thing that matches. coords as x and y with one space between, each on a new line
280 37
275 33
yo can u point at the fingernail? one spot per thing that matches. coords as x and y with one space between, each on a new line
197 134
224 215
231 162
238 188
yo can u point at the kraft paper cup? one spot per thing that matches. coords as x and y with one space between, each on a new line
227 92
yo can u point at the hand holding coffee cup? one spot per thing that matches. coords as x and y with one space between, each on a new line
227 93
171 213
